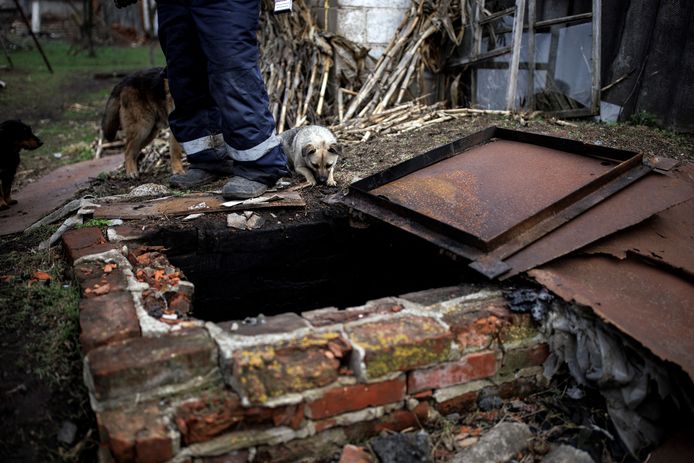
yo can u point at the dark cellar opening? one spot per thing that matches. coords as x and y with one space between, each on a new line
305 266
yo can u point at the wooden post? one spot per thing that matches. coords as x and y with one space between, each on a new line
531 54
476 47
597 32
515 59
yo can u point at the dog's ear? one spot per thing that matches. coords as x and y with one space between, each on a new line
336 149
308 150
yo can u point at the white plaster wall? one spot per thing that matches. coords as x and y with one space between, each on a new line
371 23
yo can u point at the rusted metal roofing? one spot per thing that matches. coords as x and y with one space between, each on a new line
652 305
667 239
641 200
489 195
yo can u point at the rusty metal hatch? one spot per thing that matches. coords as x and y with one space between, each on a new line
489 195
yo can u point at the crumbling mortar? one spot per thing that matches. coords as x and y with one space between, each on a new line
445 307
240 440
210 380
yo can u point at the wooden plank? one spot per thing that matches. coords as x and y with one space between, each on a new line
497 15
478 58
192 204
564 19
517 38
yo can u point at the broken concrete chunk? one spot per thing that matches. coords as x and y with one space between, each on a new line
237 221
567 454
255 221
499 445
149 189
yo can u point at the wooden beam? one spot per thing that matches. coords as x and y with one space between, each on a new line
564 19
597 39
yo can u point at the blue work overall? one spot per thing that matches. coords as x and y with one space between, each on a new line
221 104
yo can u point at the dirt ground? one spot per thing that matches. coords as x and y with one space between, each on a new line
35 404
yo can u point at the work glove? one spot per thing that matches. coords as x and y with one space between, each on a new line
123 3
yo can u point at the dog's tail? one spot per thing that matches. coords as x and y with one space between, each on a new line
110 123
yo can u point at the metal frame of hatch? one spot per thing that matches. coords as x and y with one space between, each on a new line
487 257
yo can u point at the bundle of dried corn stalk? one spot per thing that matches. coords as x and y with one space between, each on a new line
297 60
316 77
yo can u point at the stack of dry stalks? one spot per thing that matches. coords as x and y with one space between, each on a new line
317 77
297 65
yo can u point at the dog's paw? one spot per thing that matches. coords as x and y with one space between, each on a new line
132 175
331 182
11 202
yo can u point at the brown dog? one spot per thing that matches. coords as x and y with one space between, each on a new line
139 105
14 136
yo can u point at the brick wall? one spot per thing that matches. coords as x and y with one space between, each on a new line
168 387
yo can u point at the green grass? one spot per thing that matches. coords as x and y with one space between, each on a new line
65 108
48 308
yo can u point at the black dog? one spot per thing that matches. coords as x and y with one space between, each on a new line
14 136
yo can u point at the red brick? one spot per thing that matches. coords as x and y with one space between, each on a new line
400 344
404 419
356 397
333 315
138 364
107 319
463 403
471 367
268 371
137 435
214 413
517 359
354 454
84 242
478 325
95 282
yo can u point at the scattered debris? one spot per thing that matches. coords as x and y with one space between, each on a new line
176 206
402 447
635 386
500 444
237 221
567 454
67 432
255 221
535 301
192 217
354 454
149 189
202 205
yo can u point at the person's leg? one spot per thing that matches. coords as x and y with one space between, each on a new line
227 31
195 121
